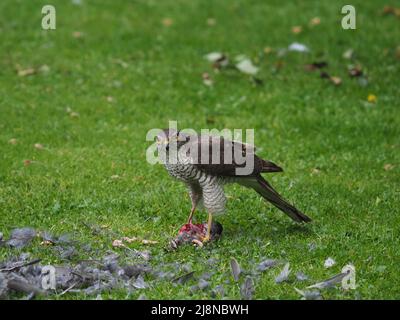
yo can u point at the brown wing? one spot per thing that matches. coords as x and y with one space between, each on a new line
222 157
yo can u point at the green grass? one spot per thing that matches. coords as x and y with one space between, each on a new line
153 73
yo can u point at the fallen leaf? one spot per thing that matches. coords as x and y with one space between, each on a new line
38 146
218 59
167 22
315 171
118 243
315 21
129 240
389 10
315 65
211 22
44 68
77 34
214 56
397 52
348 54
13 141
246 66
145 241
267 50
297 29
27 162
336 80
372 98
388 167
355 71
26 72
207 79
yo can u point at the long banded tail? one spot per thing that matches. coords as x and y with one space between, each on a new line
262 187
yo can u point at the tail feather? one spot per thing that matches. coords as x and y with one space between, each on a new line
262 187
268 166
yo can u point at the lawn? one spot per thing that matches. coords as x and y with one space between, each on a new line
76 104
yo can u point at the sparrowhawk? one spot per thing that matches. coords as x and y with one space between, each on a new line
206 162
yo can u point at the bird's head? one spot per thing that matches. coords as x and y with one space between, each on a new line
168 138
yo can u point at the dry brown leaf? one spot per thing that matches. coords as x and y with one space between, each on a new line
267 50
27 162
315 171
118 243
388 167
26 72
211 22
38 146
315 21
207 79
13 141
129 240
77 34
336 81
145 241
297 29
355 71
167 22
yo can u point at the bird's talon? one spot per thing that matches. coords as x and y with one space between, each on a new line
197 243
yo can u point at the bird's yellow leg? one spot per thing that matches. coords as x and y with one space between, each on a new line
209 223
191 215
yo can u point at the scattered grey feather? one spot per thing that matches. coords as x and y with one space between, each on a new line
21 237
218 291
136 270
300 276
236 271
193 289
3 286
331 282
247 289
309 294
284 275
267 264
140 283
206 275
183 278
203 284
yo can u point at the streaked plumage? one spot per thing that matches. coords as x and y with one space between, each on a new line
205 178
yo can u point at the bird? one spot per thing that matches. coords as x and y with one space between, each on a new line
205 164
